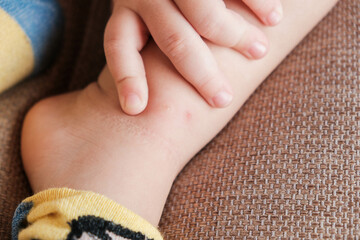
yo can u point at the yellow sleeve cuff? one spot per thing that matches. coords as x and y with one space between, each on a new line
70 214
16 54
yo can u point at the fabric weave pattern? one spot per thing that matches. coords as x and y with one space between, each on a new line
288 165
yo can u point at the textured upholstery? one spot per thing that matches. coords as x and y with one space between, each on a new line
288 164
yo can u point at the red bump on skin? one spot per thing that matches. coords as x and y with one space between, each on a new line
188 116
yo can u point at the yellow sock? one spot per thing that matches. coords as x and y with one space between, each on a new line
70 214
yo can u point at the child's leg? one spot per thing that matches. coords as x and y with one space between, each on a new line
82 140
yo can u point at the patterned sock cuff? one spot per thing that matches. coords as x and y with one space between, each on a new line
63 213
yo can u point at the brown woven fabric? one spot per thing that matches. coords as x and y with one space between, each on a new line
288 164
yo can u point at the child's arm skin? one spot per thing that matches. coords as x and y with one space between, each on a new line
81 140
176 27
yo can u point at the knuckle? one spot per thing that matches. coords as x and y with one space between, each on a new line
119 81
206 83
243 32
175 46
210 26
111 46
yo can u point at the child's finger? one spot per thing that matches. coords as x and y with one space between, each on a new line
269 11
187 51
212 20
125 36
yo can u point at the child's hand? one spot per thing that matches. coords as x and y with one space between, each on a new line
177 27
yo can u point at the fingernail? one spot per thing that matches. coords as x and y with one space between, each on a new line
275 17
222 99
257 50
133 104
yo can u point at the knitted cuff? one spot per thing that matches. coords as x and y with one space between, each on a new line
30 34
62 213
